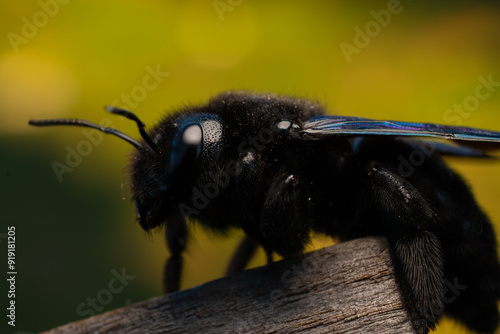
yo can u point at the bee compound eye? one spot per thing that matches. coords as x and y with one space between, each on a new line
184 160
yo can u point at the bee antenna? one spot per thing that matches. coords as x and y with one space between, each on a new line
130 115
84 123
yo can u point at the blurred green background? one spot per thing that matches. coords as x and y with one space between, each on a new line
70 59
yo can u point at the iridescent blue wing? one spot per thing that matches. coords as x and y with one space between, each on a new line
329 126
446 148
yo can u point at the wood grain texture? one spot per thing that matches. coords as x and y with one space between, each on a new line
346 288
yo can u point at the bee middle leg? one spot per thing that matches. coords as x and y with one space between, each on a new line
285 217
244 253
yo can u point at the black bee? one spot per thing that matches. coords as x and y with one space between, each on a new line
278 169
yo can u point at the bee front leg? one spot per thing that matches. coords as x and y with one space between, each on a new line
175 235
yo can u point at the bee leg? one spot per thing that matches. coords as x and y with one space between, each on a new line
473 271
388 204
250 168
284 217
244 253
269 257
176 235
416 252
418 263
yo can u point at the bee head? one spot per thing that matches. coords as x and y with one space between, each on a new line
161 180
188 145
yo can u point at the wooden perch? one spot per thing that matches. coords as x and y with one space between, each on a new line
346 288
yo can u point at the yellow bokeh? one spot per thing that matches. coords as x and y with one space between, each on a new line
32 86
69 59
222 45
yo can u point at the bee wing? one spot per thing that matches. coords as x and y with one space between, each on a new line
446 148
330 126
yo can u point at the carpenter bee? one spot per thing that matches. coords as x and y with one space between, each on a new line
278 168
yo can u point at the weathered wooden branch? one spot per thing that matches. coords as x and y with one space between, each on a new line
346 288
